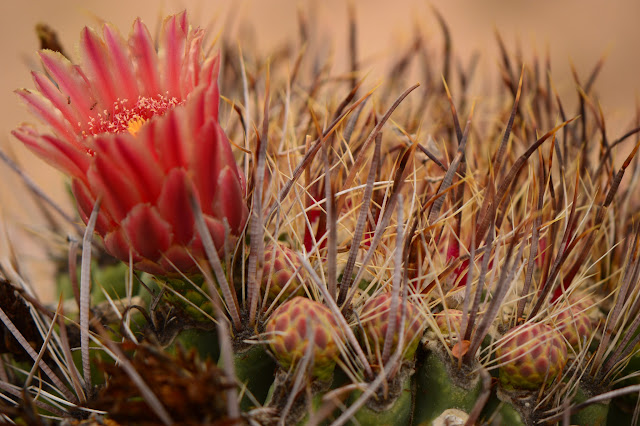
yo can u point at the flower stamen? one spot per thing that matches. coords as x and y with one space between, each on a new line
135 125
125 117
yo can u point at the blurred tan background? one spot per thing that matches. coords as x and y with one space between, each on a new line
580 31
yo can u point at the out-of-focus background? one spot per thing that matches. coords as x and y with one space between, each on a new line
574 31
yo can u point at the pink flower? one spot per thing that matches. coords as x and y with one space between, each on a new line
138 128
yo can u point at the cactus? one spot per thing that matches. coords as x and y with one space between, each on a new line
342 253
283 275
575 326
295 326
531 356
375 321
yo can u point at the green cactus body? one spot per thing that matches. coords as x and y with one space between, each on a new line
205 342
531 355
193 299
619 414
513 407
592 415
393 413
278 395
502 413
287 331
255 369
375 321
279 273
111 278
626 404
442 386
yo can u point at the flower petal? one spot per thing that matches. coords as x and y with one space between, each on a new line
170 142
209 79
205 174
191 66
196 109
229 202
135 164
71 83
210 71
148 233
108 182
65 157
118 245
42 108
211 153
178 258
63 103
97 66
216 229
173 206
181 19
171 54
149 267
204 101
85 201
123 73
145 59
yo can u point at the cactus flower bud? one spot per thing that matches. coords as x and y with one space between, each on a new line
287 331
449 322
531 355
375 321
574 325
279 273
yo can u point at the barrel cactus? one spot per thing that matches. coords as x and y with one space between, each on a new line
300 247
